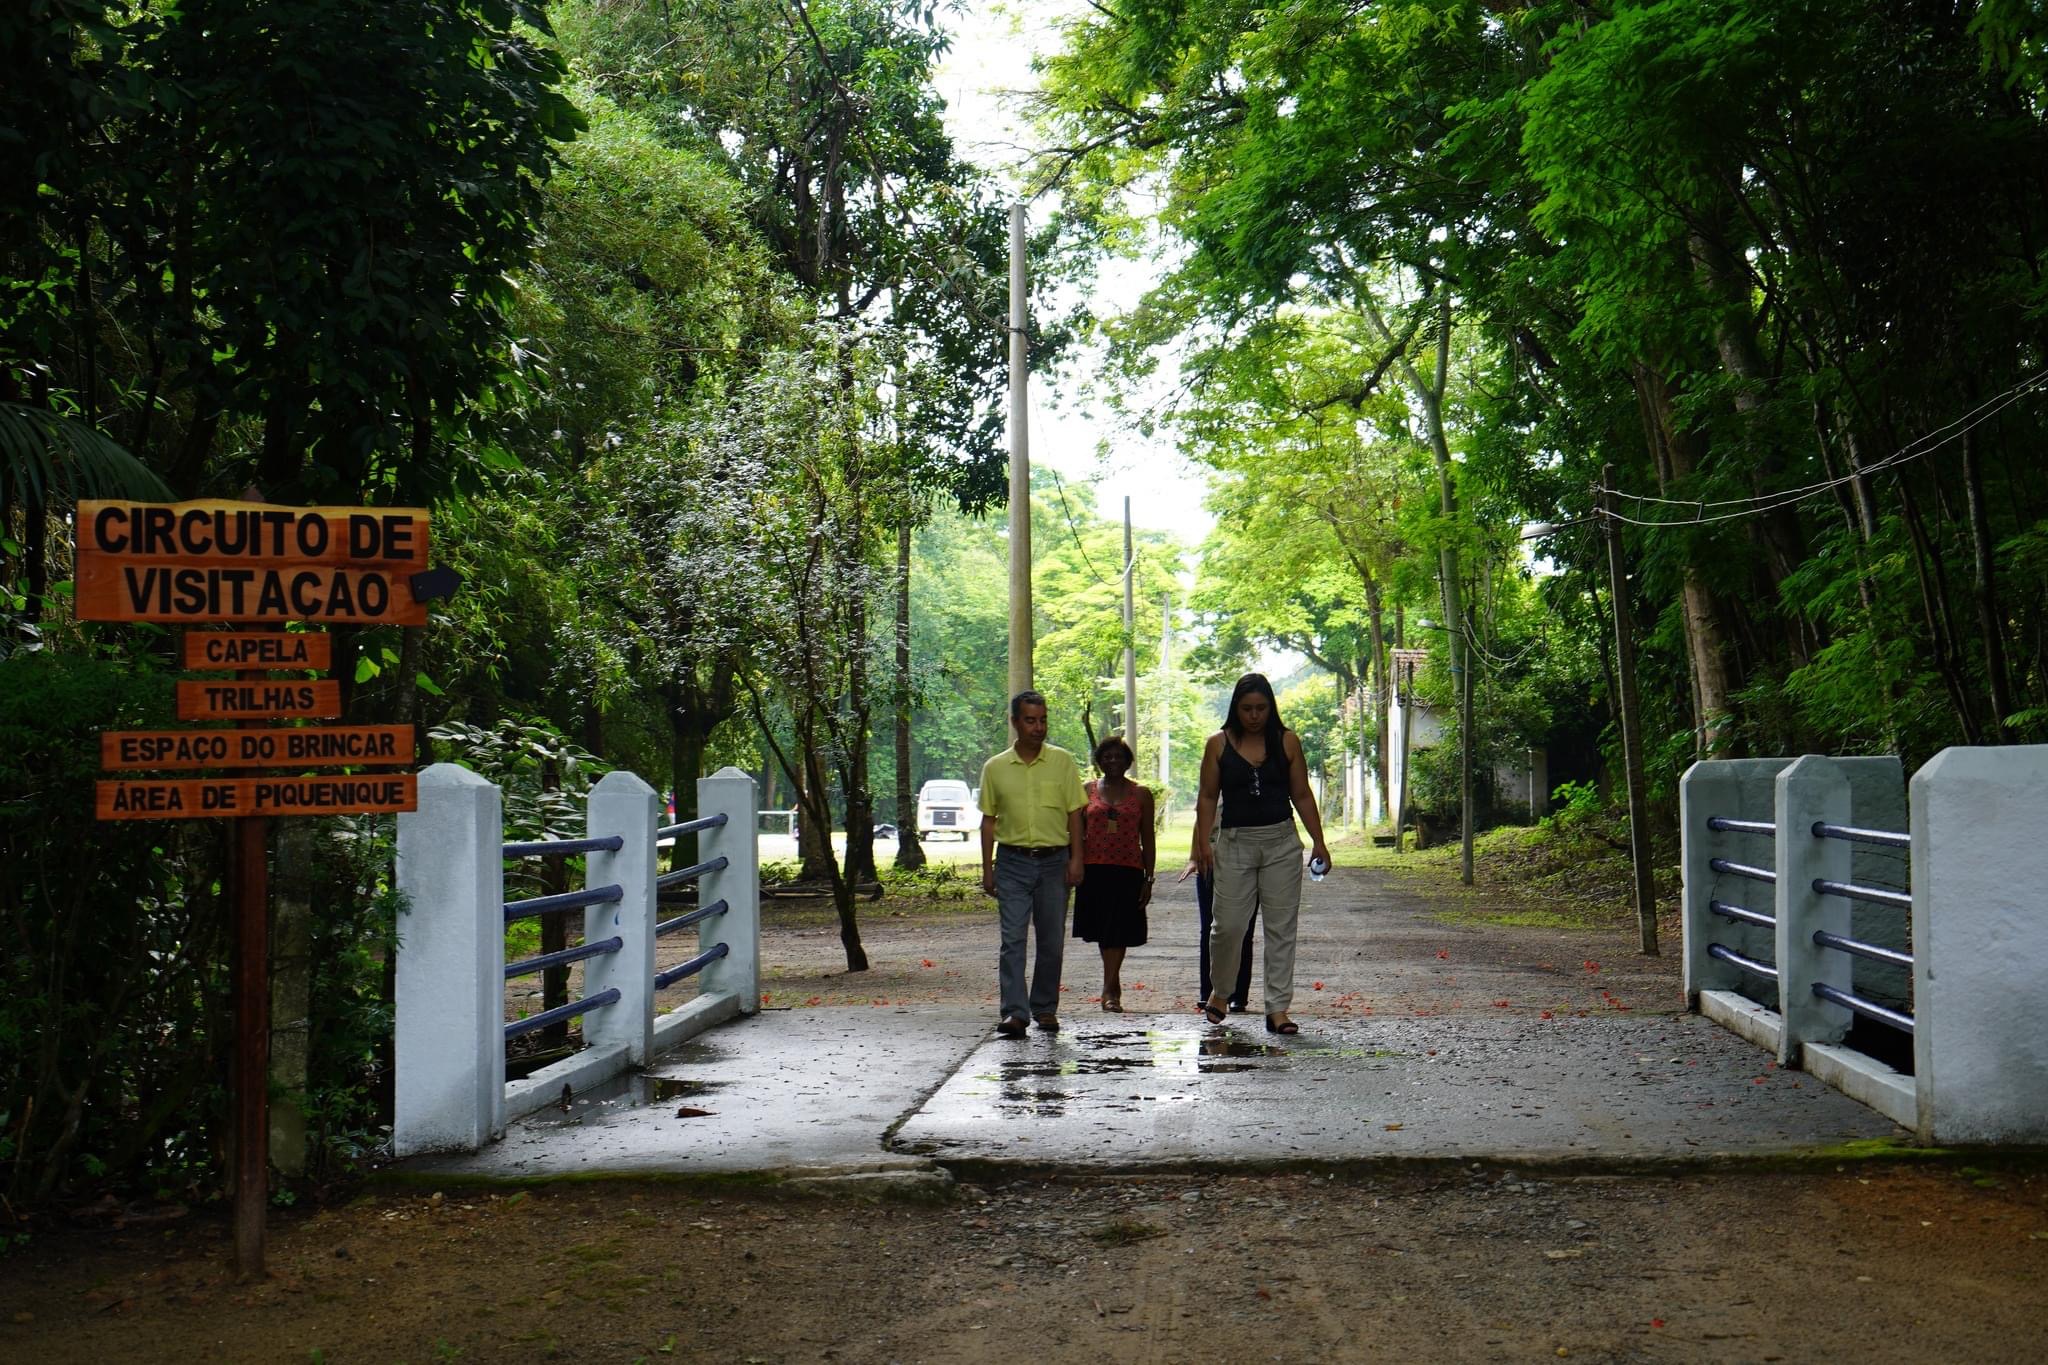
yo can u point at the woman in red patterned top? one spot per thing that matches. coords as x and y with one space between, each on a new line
1109 905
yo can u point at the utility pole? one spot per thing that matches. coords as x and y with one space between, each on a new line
1465 764
1165 695
1631 722
1130 641
1020 462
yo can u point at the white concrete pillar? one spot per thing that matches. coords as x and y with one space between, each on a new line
730 792
1980 944
624 805
1813 789
1737 789
449 1049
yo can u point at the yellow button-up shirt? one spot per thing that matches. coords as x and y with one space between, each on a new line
1031 801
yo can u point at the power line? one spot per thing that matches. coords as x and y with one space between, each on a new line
1770 502
1075 532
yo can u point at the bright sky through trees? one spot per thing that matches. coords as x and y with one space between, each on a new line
993 42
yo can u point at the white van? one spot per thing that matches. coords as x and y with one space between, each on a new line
946 808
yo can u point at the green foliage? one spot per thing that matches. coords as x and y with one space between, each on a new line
1575 801
297 217
358 920
1699 242
543 778
117 937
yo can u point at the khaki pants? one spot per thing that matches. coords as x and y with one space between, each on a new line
1257 866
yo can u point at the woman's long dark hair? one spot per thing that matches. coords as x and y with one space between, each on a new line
1253 682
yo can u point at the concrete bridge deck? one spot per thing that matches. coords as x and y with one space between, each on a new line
1442 1031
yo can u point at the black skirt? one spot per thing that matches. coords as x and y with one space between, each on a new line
1107 908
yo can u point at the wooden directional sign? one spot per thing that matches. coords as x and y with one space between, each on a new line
200 798
196 562
231 700
246 649
311 746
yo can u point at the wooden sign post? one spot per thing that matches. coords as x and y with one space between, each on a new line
212 563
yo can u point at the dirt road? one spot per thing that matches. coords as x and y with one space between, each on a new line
1853 1256
1877 1262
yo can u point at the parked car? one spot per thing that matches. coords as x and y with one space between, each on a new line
945 807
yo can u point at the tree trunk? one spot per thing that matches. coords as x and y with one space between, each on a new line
686 765
909 851
814 816
1777 530
1631 728
860 796
1431 395
1706 638
1990 620
1376 670
1940 617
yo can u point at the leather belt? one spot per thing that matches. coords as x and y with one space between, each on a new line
1022 851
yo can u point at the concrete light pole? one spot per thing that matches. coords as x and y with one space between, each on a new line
1020 462
1130 641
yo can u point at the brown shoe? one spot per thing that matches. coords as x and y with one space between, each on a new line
1013 1026
1049 1022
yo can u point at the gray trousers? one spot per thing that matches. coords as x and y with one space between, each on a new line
1257 867
1031 894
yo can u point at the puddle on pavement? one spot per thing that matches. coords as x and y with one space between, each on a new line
621 1095
1045 1083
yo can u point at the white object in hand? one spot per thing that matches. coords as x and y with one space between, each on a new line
1317 869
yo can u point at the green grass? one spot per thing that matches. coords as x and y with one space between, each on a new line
1530 919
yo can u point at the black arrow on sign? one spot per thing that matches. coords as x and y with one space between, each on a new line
429 584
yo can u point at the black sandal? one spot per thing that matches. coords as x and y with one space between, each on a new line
1289 1029
1212 1014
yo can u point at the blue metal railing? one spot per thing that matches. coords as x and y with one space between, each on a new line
545 848
696 916
1858 948
692 872
1735 869
604 895
1876 895
1746 915
564 900
1873 895
692 826
1884 838
563 958
1723 824
1743 960
561 1012
1869 1009
663 980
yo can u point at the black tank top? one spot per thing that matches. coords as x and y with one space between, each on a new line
1255 796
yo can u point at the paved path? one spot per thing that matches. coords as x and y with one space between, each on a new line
1437 1033
1153 1094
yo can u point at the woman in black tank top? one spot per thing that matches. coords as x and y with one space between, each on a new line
1254 795
1253 768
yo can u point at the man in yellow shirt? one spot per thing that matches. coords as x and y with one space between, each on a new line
1031 804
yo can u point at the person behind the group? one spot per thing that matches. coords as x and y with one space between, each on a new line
1117 849
1254 767
1031 804
1240 989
